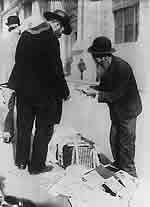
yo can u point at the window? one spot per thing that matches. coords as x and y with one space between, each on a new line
27 9
126 24
44 5
1 5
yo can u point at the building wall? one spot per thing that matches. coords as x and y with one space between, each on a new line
6 4
89 26
136 53
95 18
39 6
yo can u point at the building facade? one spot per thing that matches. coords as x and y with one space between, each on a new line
126 23
26 8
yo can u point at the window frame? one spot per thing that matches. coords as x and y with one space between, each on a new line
135 24
2 6
29 13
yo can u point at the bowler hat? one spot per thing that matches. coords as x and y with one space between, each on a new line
12 20
101 45
60 16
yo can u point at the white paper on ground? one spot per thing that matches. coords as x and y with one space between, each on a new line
93 179
129 181
82 195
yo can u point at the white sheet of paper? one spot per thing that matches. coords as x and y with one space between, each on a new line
93 179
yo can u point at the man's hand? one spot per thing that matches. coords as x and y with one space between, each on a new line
92 94
100 96
89 92
67 98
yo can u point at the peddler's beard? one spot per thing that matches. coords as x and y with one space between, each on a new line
100 70
103 65
58 34
58 31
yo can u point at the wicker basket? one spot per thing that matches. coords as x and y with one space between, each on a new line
81 153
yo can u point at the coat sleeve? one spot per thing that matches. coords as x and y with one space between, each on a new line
120 90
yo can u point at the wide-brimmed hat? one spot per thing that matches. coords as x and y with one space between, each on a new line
60 16
13 20
101 45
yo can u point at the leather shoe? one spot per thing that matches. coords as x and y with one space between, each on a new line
44 169
21 166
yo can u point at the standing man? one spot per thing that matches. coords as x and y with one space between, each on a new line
118 89
8 43
39 82
81 67
67 66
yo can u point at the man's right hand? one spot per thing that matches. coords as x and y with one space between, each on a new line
89 92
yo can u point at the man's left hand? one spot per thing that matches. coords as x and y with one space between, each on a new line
68 98
92 94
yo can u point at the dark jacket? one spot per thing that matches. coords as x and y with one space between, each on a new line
118 89
38 72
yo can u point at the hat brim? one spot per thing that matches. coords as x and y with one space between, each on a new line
91 50
66 24
8 24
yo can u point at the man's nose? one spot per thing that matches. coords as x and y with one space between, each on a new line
100 62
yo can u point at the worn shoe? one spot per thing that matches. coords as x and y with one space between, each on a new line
44 169
21 166
115 164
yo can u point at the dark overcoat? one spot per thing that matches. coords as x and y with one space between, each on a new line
38 73
119 90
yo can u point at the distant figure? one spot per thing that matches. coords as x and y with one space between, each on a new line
67 67
8 43
81 67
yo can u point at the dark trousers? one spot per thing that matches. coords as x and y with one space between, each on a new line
122 142
27 113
